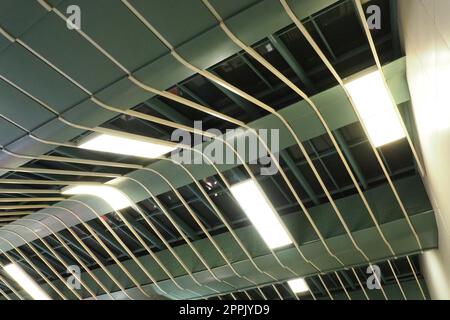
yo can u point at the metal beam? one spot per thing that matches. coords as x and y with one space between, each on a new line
290 60
299 176
351 159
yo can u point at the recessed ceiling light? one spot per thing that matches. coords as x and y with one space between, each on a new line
116 199
26 282
298 285
375 106
126 146
261 213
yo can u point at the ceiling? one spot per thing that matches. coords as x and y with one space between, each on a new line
186 237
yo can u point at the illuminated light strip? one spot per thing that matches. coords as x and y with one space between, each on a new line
375 108
117 200
60 118
261 213
9 286
330 67
283 78
26 282
125 146
85 247
201 225
271 110
277 261
61 260
110 195
38 271
380 69
189 103
32 265
175 98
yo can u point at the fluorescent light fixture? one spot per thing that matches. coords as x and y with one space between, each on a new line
298 285
126 146
26 282
375 106
116 199
261 213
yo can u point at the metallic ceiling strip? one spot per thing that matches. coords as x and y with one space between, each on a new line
396 279
35 268
7 297
47 263
128 250
199 223
360 284
125 247
373 49
163 209
326 287
378 280
416 278
28 206
342 285
152 254
109 56
81 173
10 287
104 246
261 293
98 130
71 252
87 249
330 67
205 109
221 216
42 199
15 213
85 161
71 160
229 119
28 191
277 292
63 172
291 85
259 103
68 172
115 132
47 182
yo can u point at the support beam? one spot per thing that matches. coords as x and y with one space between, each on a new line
351 159
291 61
299 176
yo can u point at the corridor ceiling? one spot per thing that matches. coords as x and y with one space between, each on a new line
145 68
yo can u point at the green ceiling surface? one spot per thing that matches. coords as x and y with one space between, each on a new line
199 39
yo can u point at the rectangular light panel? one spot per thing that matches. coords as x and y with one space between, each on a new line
298 285
260 212
125 146
26 282
116 199
377 111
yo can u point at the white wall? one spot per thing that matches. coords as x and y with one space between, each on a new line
425 28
